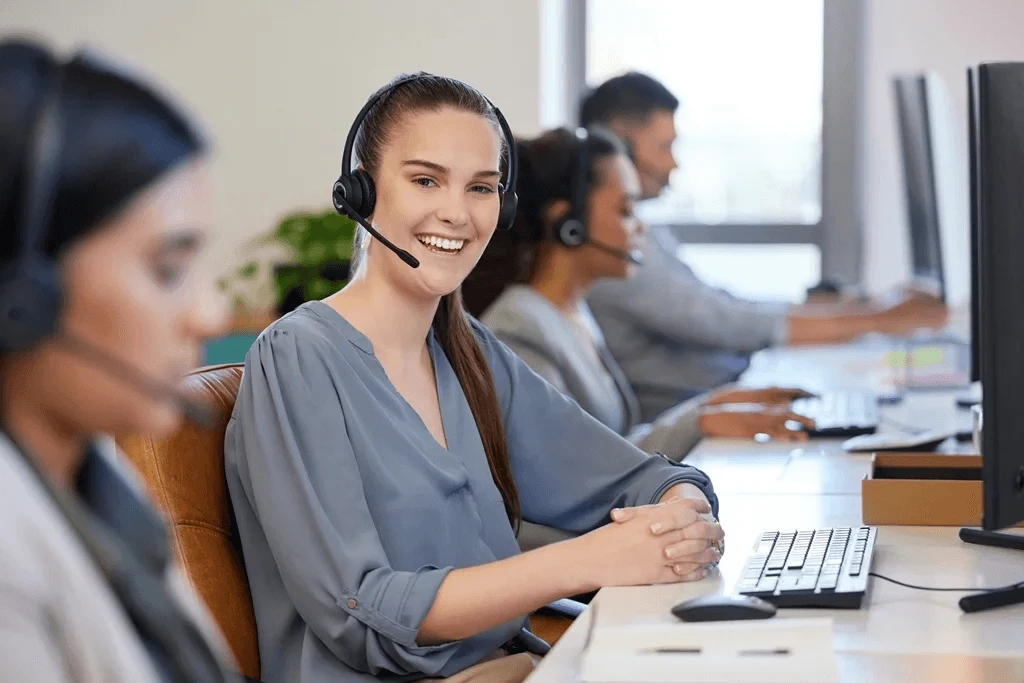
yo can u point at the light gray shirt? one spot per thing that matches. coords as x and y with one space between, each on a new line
545 338
675 336
351 514
60 621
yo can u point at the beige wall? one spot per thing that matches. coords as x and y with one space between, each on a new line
277 82
906 36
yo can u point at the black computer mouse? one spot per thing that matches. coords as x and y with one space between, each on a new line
724 608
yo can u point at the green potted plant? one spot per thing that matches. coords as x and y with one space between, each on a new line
319 253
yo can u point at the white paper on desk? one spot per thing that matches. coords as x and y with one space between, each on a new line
756 651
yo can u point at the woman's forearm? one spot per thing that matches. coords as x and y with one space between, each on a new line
476 599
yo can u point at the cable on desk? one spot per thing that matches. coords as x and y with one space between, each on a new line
973 589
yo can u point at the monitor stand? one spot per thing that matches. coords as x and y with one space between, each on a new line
1013 595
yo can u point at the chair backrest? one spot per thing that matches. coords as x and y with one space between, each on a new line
185 474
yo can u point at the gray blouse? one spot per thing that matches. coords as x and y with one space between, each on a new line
546 339
351 514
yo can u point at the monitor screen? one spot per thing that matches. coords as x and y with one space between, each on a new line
972 146
919 180
999 207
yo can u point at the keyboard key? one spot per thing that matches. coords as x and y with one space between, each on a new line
788 583
828 583
807 583
767 584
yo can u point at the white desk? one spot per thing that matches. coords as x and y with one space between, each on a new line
901 634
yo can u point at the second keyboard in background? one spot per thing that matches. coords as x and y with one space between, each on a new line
841 413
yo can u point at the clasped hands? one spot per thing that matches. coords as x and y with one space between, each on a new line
675 540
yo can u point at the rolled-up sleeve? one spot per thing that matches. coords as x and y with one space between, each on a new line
570 469
302 480
674 433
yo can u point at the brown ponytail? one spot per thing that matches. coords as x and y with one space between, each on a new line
453 332
451 323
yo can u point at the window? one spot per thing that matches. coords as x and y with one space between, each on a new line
766 272
748 75
754 80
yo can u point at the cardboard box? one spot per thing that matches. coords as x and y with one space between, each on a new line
918 489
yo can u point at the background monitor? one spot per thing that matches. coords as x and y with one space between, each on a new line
999 206
935 186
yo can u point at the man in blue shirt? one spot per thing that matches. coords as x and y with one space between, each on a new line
674 335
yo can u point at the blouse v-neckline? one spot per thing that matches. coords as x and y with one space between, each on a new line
438 361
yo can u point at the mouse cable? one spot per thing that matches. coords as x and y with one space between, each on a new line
973 589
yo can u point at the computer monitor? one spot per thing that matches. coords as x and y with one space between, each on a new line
996 96
999 213
935 186
972 147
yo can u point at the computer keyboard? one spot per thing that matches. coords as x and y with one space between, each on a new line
821 568
840 413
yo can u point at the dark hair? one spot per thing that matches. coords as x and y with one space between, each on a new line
451 324
632 97
547 172
118 138
548 168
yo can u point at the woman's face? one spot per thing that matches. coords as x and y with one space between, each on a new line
610 218
437 198
131 289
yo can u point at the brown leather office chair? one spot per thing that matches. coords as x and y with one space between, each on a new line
185 474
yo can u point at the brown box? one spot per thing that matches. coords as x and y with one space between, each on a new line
919 489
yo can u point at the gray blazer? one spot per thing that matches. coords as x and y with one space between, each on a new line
544 338
674 335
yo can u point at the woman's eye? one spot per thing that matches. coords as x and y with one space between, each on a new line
425 182
482 189
169 275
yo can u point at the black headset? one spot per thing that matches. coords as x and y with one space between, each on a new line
571 230
354 193
30 294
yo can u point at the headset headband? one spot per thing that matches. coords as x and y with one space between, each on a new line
41 171
512 170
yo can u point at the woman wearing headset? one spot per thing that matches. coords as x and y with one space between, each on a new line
576 225
384 447
103 208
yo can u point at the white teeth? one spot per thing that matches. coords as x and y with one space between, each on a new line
441 243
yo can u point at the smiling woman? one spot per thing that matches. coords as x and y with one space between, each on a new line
385 447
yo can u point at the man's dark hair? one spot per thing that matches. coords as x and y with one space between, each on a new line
632 97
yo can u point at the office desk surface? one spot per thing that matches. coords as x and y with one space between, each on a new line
901 634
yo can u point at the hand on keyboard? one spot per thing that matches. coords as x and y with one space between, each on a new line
747 420
767 396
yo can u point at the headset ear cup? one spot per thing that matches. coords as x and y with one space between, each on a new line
358 191
368 190
348 190
507 213
571 231
30 302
